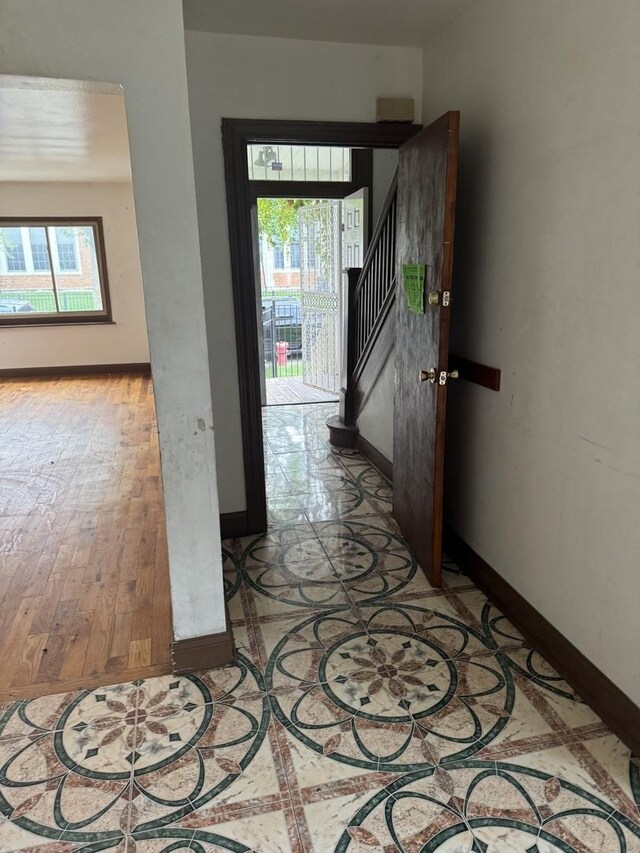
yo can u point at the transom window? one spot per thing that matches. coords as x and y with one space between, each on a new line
52 271
298 163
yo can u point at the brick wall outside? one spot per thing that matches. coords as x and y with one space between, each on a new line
286 279
42 281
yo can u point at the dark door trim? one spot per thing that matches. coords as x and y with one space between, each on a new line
236 135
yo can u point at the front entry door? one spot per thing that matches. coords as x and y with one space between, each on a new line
427 171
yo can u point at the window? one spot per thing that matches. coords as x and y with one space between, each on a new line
66 245
295 255
14 251
298 163
39 251
52 271
278 257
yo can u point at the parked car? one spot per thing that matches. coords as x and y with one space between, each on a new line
15 306
283 318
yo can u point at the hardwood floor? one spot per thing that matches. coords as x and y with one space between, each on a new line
284 390
84 579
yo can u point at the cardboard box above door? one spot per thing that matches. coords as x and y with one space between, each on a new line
395 109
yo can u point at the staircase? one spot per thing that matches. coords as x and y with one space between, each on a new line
368 330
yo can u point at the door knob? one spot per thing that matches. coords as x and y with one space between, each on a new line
443 376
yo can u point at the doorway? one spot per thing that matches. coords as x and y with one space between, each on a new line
84 579
304 246
299 243
242 141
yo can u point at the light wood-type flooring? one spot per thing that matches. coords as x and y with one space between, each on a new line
84 580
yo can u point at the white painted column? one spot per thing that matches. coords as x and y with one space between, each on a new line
140 44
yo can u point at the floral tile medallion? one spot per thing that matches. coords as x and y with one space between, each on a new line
386 686
134 757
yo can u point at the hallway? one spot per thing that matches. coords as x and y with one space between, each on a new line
365 710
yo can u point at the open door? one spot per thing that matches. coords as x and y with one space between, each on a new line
262 325
427 172
320 278
355 232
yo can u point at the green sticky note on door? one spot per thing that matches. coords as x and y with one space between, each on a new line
413 279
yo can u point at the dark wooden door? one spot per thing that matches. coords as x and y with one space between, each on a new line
427 171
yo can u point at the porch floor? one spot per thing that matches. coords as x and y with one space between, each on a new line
291 389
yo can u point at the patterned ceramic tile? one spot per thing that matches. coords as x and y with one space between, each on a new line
318 463
487 806
473 605
285 510
277 595
277 484
296 443
347 503
621 769
283 544
365 710
276 628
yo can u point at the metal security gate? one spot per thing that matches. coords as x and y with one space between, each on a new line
282 337
320 279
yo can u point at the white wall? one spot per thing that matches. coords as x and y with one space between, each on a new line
124 341
385 163
251 77
543 478
140 43
375 421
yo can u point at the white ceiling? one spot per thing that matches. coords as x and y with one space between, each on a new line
394 22
62 130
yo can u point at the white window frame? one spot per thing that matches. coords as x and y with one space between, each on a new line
28 256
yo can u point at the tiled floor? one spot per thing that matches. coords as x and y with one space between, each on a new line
365 710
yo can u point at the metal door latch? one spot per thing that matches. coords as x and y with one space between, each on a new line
445 376
442 376
433 298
